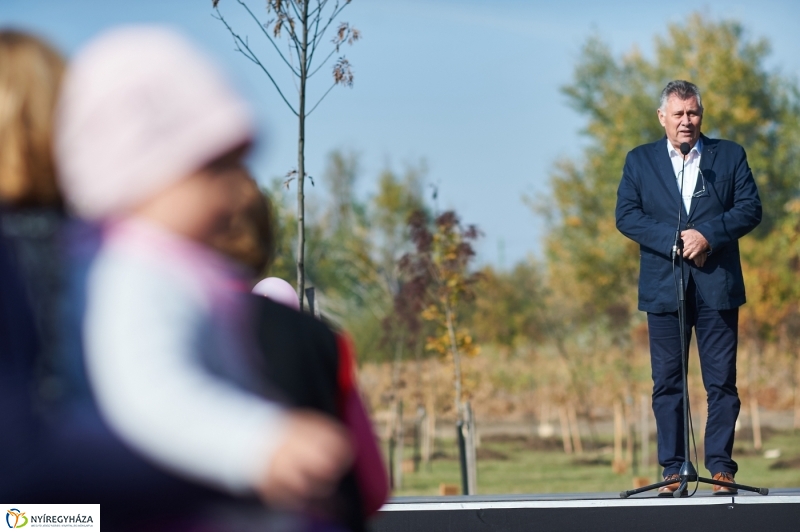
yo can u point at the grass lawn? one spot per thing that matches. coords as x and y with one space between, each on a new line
507 465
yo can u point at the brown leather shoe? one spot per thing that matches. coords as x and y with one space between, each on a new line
724 476
669 489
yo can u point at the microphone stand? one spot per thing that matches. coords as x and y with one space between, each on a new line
688 473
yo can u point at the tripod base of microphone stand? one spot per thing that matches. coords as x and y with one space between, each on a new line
689 474
734 485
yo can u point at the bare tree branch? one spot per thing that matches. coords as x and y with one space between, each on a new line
314 13
252 57
322 98
296 50
294 8
283 19
324 61
318 36
316 17
268 36
292 175
292 33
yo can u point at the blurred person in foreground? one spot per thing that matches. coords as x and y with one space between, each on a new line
717 205
149 142
311 364
31 213
58 449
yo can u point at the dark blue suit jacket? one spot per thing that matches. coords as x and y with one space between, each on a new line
648 202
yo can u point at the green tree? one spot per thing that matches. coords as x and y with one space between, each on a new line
354 247
342 265
509 307
397 198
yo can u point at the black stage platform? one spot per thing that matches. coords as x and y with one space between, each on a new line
779 511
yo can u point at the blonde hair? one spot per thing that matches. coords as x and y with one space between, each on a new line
30 76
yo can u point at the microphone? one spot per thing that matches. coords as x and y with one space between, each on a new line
685 149
678 245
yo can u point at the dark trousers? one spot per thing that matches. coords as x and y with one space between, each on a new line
717 340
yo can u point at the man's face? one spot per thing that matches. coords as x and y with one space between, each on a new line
681 120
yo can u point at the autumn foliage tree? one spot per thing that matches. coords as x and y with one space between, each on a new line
439 282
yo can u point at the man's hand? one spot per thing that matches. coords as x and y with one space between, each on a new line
308 464
700 259
694 244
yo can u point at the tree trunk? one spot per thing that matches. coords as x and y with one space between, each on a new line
397 368
419 435
755 419
391 443
619 466
755 373
430 433
629 444
472 457
456 360
796 390
301 161
644 430
398 453
573 428
565 432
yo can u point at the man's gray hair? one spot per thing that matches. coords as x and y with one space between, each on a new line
683 90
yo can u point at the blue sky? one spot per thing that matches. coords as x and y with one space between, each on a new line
469 86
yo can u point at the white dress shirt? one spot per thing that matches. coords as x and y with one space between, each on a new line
691 173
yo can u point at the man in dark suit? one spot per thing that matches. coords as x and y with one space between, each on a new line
709 195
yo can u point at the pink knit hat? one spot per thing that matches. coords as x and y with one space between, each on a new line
140 109
278 290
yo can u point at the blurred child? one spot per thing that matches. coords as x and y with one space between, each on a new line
149 141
